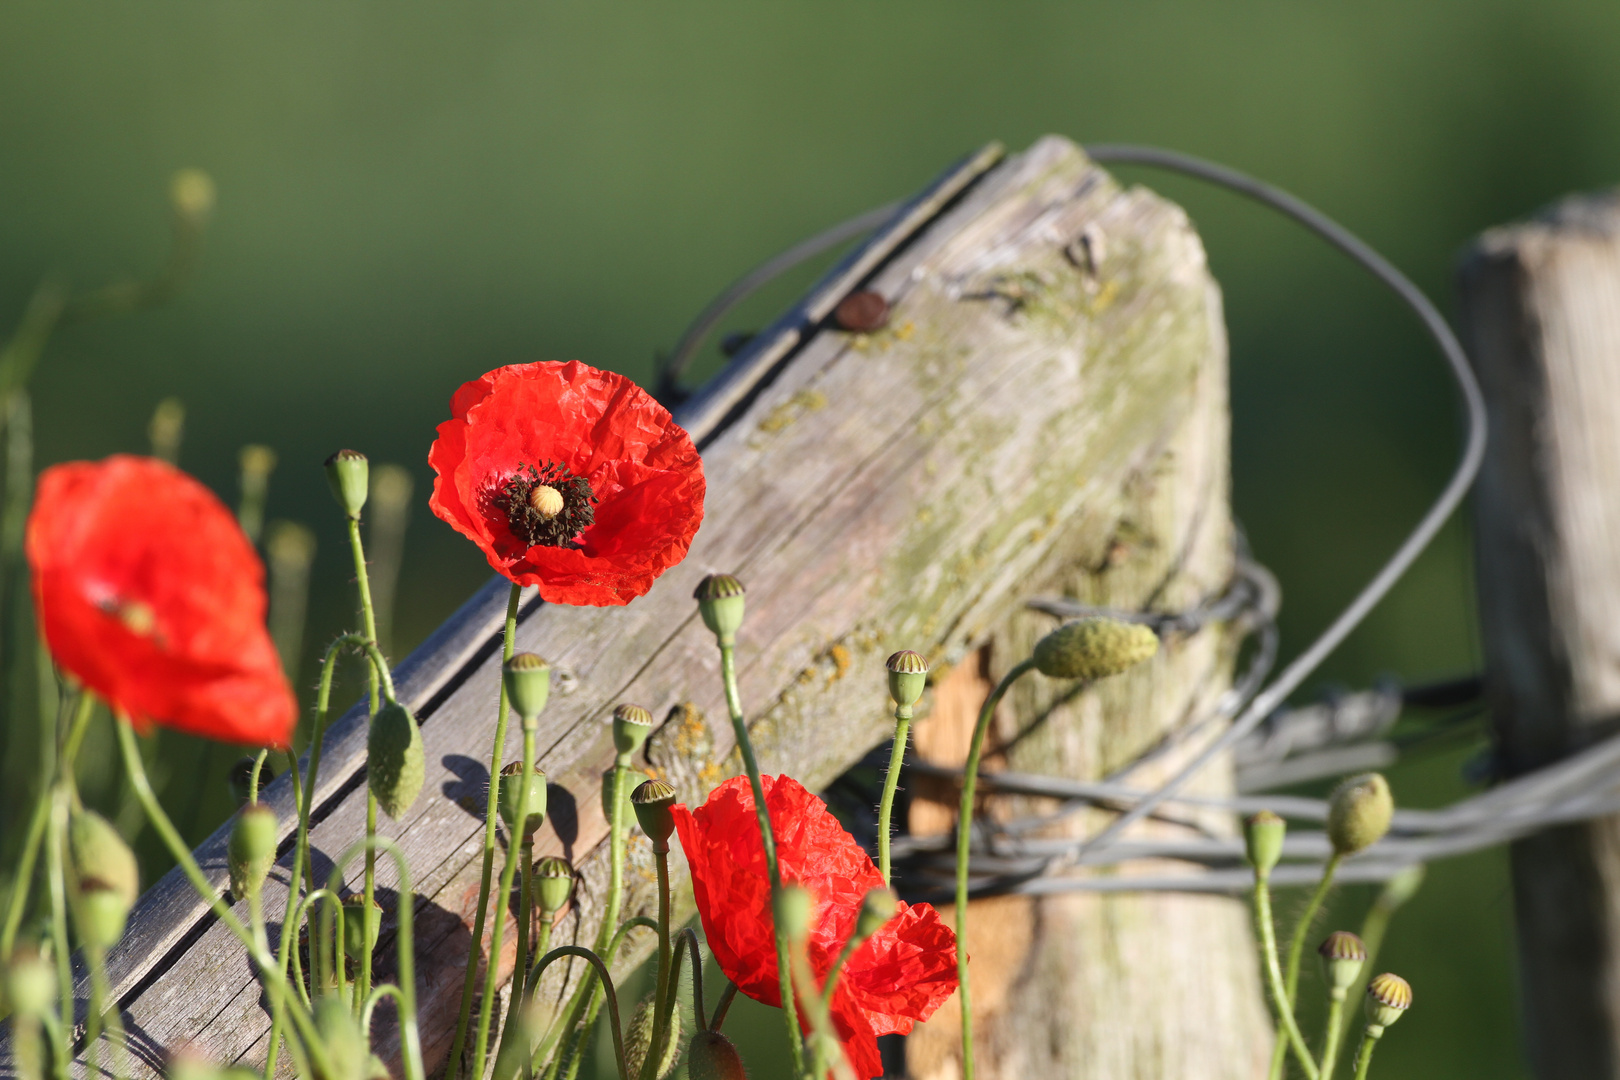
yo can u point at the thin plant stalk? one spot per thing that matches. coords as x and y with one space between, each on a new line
964 838
688 937
1364 1054
369 622
1265 928
784 961
492 970
1296 951
564 1037
663 996
520 968
470 983
100 996
410 1035
1331 1033
611 994
891 781
55 844
723 1006
1396 892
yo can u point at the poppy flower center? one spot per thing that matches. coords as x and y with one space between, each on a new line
547 505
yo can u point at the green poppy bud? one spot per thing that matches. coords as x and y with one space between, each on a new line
553 881
711 1056
360 935
341 1038
1342 956
99 853
638 1040
652 801
631 725
348 471
528 685
30 983
879 906
794 908
252 849
908 674
395 764
192 194
1094 648
1388 998
1263 840
720 602
512 790
1359 813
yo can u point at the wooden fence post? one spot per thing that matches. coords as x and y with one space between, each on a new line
1541 314
1044 410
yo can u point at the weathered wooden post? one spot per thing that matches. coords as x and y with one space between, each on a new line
1045 410
1541 314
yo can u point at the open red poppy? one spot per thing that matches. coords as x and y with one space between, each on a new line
569 478
148 592
897 977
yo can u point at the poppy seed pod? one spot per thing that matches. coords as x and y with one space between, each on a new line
879 906
99 853
30 983
794 909
1094 648
553 881
908 674
1388 998
528 685
252 849
349 474
354 944
711 1056
1359 813
720 600
631 725
638 1040
1342 954
1263 840
512 790
395 762
652 800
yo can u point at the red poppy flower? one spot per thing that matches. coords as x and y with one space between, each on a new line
899 976
568 478
147 591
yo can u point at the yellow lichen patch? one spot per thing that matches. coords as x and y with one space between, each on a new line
839 655
783 415
1105 297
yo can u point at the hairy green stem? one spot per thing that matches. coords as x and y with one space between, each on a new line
1267 931
410 1037
491 815
723 1006
378 669
17 902
611 994
577 1003
663 996
964 840
891 781
1364 1054
514 856
520 967
1330 1035
1296 952
54 851
784 968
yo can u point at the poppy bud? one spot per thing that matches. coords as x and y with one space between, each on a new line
1342 956
711 1056
395 762
652 800
340 1035
554 880
794 908
1359 812
720 602
1263 840
908 674
638 1040
252 849
528 685
512 789
30 983
192 194
100 853
100 914
631 724
879 906
354 944
1094 648
348 471
1388 997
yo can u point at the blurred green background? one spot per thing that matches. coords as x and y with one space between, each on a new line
412 193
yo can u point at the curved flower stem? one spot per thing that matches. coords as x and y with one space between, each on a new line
290 930
1296 950
577 1004
470 983
514 849
688 937
723 1006
964 838
370 1005
784 968
410 1037
611 994
891 780
1331 1034
1266 929
274 983
253 775
663 996
1364 1053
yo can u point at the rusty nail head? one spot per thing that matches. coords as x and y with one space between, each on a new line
862 312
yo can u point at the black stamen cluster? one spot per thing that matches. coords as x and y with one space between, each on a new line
576 515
